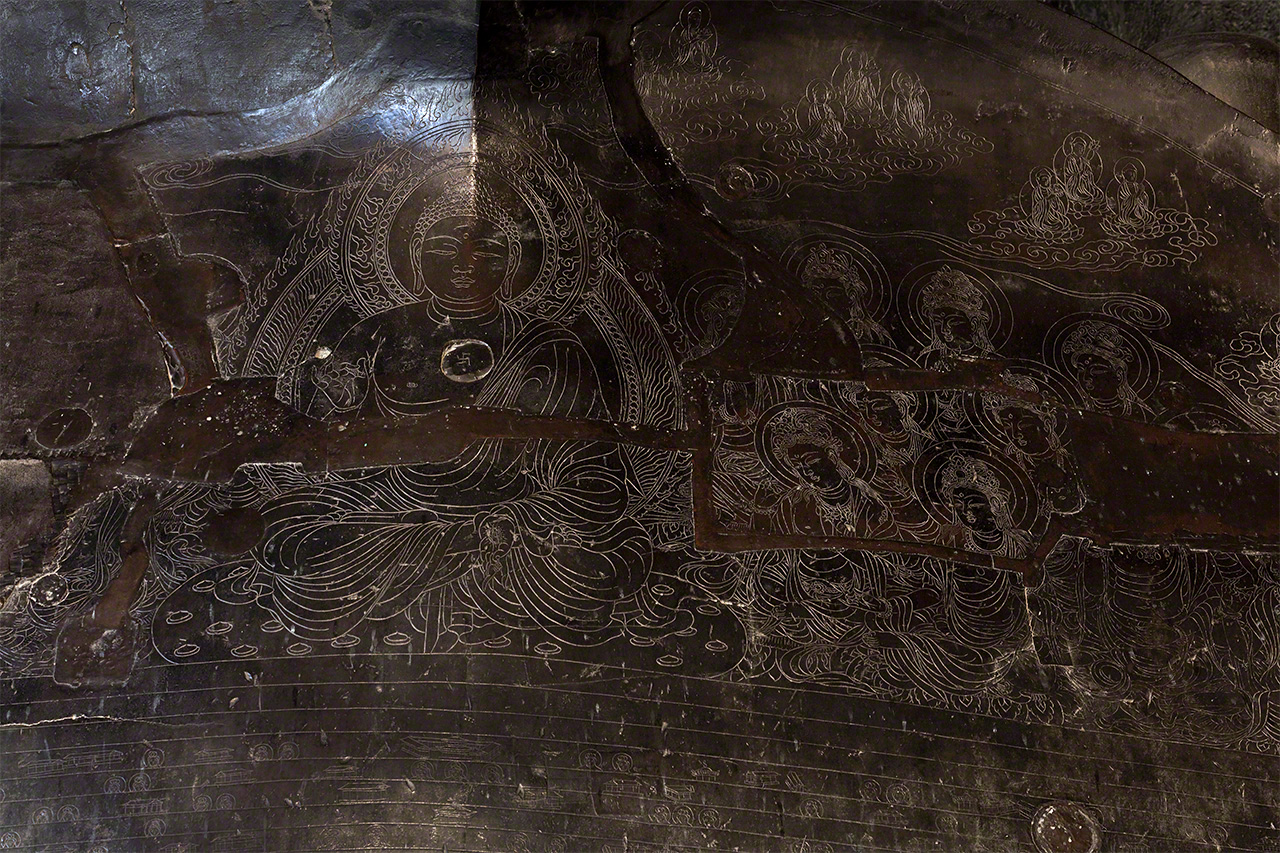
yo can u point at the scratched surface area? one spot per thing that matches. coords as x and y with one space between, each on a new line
645 427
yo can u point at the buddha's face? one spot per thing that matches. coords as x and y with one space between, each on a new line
839 290
814 464
1102 379
464 261
973 508
882 414
1028 429
954 328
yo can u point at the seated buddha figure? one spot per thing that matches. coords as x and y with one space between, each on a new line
479 332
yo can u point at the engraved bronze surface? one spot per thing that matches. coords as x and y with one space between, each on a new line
550 427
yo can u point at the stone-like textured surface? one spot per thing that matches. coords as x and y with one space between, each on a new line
67 69
553 427
1241 70
26 508
77 349
79 67
1145 23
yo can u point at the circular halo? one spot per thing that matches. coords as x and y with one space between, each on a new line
839 251
439 174
356 258
710 304
832 425
926 475
1142 371
994 301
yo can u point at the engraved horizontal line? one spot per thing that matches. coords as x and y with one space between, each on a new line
747 686
695 732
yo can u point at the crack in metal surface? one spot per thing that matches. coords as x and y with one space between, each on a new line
129 35
86 718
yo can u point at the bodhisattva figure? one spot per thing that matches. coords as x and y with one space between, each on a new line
833 277
1030 434
874 622
956 317
1131 202
911 107
859 89
823 133
823 470
1044 210
889 415
1100 360
1079 173
693 40
981 516
899 440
